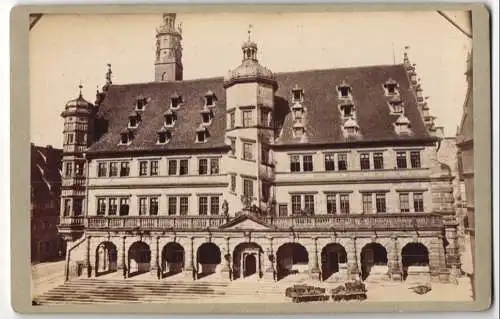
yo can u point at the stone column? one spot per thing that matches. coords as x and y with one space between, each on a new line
352 260
437 262
155 255
189 256
226 259
394 265
90 261
452 250
124 261
270 260
313 262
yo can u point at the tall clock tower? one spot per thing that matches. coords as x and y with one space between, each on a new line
168 62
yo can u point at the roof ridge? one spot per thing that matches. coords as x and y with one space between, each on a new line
341 68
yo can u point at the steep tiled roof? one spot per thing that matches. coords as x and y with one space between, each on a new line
45 173
323 124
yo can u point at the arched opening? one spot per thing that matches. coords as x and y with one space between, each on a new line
106 258
164 76
172 259
247 260
292 258
414 254
332 257
139 258
373 254
208 257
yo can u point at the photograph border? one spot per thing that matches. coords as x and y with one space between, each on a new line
20 158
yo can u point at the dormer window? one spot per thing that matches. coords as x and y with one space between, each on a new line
297 111
391 87
297 94
298 130
175 101
125 137
134 120
170 118
210 98
396 105
351 128
344 90
347 110
206 116
201 134
140 102
164 136
402 125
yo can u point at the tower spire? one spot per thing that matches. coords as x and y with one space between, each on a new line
80 86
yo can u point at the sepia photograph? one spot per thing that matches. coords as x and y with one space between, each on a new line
240 157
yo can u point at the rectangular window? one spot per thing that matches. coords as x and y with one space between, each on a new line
233 183
404 202
415 159
142 206
172 167
418 202
203 205
233 146
307 163
248 188
331 204
153 171
264 117
214 166
124 207
172 205
309 204
266 191
113 169
143 168
367 203
79 169
283 210
124 169
380 202
112 207
264 154
248 151
214 205
296 204
153 206
247 118
101 170
342 161
183 167
183 205
364 160
329 162
295 163
203 166
101 206
77 206
344 204
401 159
69 140
67 207
378 161
69 169
232 120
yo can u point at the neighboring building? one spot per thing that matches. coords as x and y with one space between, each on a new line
46 243
465 143
326 173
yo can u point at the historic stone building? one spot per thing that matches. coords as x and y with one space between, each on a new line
325 173
46 243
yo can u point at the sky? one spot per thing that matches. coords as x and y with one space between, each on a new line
66 50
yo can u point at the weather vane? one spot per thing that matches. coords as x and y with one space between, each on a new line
250 26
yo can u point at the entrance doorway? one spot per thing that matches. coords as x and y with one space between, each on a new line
373 254
249 265
331 257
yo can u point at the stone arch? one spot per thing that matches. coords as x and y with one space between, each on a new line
164 76
333 258
106 258
247 260
208 257
372 254
414 254
291 258
172 259
139 258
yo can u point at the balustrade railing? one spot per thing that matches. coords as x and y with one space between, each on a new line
72 221
330 222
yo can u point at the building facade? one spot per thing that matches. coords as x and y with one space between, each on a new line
331 174
46 243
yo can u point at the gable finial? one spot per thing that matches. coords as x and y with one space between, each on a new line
80 86
250 26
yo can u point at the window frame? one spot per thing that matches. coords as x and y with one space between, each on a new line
294 165
415 159
378 158
404 205
342 158
329 162
420 200
401 158
344 204
367 203
307 166
380 203
248 188
247 118
364 161
203 205
172 167
248 151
